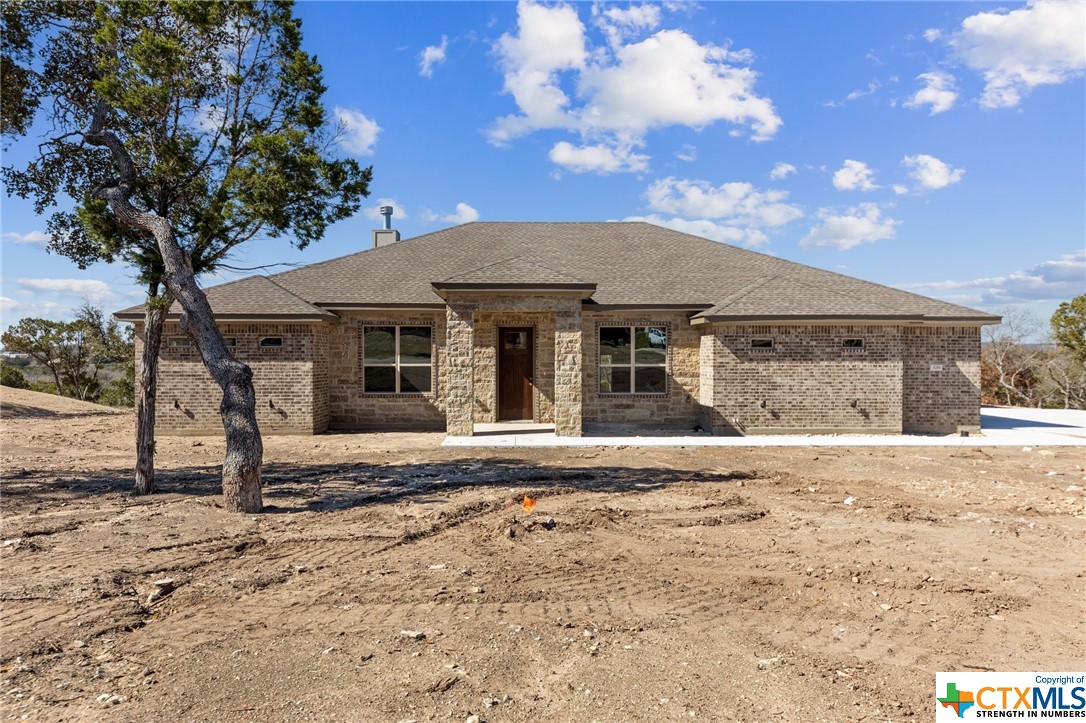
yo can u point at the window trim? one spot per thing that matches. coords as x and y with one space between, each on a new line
633 365
397 364
261 345
860 348
769 348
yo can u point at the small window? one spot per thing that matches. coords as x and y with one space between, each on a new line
271 342
230 341
761 345
178 342
852 344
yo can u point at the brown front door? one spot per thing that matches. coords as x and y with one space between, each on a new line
516 363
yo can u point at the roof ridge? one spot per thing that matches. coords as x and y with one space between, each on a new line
291 293
739 294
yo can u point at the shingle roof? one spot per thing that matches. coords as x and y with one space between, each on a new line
513 271
775 297
254 297
633 264
516 275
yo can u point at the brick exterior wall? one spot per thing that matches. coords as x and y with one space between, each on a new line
808 383
351 407
679 407
947 399
289 381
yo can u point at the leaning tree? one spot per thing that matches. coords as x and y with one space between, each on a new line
175 132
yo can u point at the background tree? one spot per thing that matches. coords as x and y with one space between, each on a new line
11 377
74 352
1069 326
1008 363
39 338
183 129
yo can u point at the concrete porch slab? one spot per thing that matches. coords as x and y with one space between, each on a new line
1001 427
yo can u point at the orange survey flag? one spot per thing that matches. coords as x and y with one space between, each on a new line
529 504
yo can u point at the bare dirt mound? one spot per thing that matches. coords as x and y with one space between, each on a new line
23 404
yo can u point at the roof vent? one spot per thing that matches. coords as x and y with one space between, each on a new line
387 235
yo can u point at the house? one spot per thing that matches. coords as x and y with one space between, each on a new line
584 326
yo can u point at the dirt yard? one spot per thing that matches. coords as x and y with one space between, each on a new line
394 580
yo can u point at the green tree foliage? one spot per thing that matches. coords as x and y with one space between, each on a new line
12 377
75 352
1069 327
181 129
41 339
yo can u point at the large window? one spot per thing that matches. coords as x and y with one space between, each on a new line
633 360
397 359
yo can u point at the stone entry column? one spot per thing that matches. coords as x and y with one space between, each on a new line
568 377
460 369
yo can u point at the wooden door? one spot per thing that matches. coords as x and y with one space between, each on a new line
516 365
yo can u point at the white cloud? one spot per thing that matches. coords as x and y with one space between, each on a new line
730 213
91 289
1017 51
687 153
861 224
464 214
601 159
930 173
618 24
938 92
782 170
670 79
1057 280
900 189
932 34
31 238
13 309
432 55
358 133
707 229
853 176
626 89
399 212
741 203
871 88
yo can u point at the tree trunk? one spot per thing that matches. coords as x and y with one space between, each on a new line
154 319
244 448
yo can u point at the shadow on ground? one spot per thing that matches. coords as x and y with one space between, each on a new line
320 488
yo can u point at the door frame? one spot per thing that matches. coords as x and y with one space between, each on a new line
498 370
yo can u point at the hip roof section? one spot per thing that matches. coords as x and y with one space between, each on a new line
630 264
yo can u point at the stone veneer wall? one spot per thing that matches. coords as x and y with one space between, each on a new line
678 407
807 383
289 378
944 399
350 407
471 337
487 324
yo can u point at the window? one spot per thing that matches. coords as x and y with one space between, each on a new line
178 342
633 360
397 359
852 344
271 342
230 341
764 346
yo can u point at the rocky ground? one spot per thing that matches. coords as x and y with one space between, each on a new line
394 580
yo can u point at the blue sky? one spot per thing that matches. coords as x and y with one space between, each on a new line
935 147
